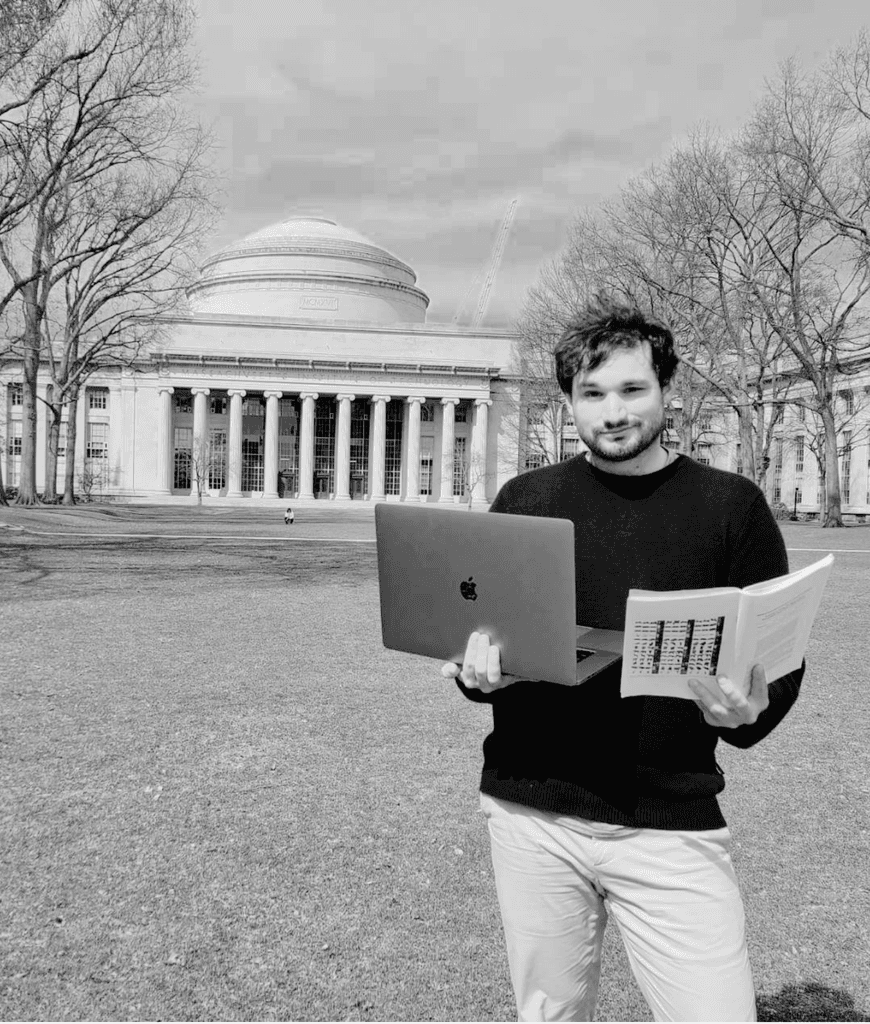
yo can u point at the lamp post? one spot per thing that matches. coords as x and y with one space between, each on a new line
794 513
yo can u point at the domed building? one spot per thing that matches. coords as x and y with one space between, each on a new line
305 370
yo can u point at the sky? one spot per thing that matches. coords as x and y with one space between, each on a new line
418 124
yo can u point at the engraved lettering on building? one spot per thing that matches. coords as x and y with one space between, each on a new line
318 302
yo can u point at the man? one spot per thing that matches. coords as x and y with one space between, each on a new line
597 804
289 517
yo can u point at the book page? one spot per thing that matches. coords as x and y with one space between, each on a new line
775 625
671 637
675 636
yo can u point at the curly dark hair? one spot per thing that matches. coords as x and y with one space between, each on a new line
607 324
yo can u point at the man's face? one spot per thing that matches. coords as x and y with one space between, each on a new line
619 407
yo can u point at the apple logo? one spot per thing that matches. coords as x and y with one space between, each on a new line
468 589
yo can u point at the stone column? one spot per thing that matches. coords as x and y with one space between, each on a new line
200 439
42 417
342 449
412 486
478 450
270 455
165 442
448 434
117 428
306 445
378 448
234 443
80 454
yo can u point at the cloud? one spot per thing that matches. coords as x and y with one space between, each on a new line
416 125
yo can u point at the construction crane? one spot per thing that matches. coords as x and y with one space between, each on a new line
494 262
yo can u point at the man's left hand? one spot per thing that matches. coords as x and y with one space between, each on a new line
725 706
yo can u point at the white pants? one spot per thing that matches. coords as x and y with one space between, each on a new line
674 896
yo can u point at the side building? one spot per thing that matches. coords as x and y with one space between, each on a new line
305 369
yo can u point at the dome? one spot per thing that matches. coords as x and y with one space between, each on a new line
309 268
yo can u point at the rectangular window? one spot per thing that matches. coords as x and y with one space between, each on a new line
217 405
288 447
324 447
704 454
183 401
846 465
460 466
426 452
777 469
570 447
217 458
705 419
14 450
799 455
848 400
669 421
252 464
15 438
359 448
802 413
534 460
16 393
98 398
536 415
182 458
427 412
393 452
98 441
461 413
61 439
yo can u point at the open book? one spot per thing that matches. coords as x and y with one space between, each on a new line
674 636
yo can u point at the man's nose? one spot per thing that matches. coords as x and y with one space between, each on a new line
614 410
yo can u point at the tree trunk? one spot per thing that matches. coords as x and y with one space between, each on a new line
49 494
747 443
69 497
3 500
833 512
27 480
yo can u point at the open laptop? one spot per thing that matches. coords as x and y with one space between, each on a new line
445 573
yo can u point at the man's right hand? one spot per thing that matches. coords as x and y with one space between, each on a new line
481 666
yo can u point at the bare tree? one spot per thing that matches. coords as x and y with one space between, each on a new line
101 125
101 312
475 473
201 464
800 146
535 423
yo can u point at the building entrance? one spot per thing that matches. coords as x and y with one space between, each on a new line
357 485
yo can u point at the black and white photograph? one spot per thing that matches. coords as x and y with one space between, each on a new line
434 510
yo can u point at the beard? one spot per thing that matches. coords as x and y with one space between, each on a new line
633 444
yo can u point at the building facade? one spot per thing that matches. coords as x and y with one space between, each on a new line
305 370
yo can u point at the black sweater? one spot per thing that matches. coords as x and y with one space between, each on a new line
640 761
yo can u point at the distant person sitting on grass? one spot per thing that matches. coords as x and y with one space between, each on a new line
289 517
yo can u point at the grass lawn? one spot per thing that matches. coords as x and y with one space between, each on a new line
223 799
